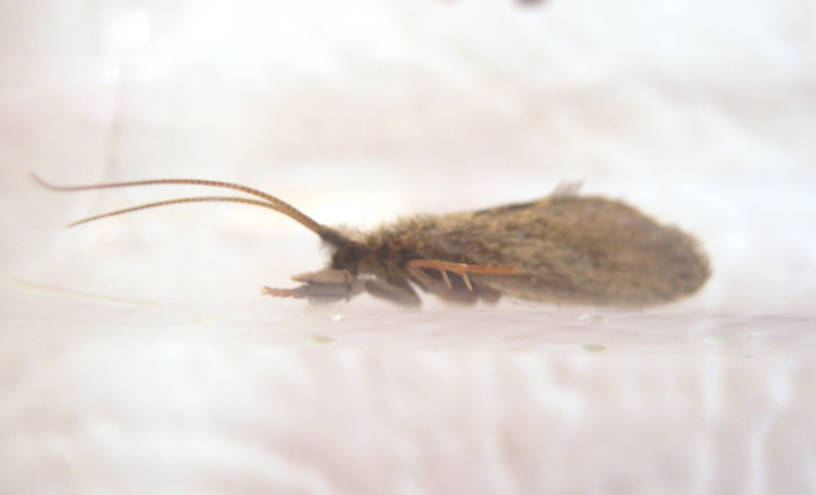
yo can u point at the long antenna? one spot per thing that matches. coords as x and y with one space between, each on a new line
270 201
198 199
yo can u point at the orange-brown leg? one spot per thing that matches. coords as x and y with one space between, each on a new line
443 287
461 269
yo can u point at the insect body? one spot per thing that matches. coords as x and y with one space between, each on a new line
564 248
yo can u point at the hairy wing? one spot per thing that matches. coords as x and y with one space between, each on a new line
570 249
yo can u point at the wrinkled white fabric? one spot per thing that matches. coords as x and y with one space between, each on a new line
138 355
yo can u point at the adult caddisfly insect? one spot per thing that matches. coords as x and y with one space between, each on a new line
564 248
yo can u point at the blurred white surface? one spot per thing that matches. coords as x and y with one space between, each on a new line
139 356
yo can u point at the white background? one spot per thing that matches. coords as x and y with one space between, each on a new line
138 355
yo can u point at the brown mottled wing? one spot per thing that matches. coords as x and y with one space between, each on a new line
570 249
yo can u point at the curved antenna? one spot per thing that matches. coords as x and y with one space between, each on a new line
270 202
197 199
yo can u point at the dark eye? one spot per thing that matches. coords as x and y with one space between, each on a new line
346 257
351 253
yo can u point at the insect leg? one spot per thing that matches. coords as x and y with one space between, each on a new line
446 291
395 290
446 279
461 269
